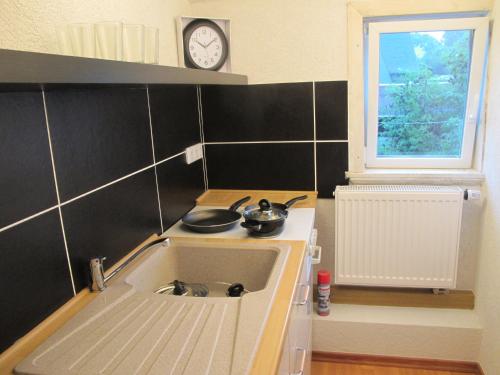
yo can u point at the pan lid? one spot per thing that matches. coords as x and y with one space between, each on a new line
265 212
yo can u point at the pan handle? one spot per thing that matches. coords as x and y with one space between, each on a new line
238 203
252 224
291 202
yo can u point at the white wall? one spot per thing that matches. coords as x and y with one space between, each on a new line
284 40
488 282
272 41
30 25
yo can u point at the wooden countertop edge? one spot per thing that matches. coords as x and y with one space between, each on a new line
268 356
29 342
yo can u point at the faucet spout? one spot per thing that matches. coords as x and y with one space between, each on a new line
97 273
97 265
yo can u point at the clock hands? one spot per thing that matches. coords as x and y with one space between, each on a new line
206 45
201 44
213 40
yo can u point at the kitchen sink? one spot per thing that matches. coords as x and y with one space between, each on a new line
210 266
130 329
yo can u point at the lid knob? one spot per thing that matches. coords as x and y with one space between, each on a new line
264 205
235 290
179 288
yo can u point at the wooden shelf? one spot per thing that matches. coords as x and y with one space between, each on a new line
32 67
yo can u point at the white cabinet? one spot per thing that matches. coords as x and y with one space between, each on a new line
296 355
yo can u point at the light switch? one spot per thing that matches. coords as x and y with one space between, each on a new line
194 153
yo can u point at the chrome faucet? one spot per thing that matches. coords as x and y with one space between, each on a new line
97 270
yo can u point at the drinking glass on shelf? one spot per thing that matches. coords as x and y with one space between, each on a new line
82 38
151 45
109 40
133 43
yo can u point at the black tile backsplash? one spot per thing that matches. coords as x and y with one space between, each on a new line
331 110
102 133
34 275
268 166
175 120
254 128
111 222
178 195
26 176
258 112
98 135
332 164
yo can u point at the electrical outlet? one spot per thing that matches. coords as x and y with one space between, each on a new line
194 153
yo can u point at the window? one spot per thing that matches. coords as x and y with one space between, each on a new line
423 89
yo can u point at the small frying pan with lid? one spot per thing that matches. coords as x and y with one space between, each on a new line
214 220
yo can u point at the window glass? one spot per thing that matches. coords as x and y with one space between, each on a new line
422 96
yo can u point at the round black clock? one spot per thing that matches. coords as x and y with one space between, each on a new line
205 45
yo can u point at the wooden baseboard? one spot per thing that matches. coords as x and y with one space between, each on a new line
415 363
402 297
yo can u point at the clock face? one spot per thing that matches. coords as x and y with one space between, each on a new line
205 45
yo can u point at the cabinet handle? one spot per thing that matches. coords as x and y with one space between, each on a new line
316 255
302 362
306 295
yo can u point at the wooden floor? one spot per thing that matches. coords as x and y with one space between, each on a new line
329 368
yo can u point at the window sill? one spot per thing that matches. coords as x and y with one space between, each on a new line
467 177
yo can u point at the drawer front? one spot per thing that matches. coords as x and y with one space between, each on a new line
300 328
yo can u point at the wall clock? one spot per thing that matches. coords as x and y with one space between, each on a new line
205 45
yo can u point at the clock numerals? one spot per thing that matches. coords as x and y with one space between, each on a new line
205 45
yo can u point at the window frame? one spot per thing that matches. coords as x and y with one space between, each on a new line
480 27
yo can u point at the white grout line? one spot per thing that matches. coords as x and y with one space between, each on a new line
314 135
154 159
106 185
57 192
254 142
61 204
170 158
202 135
258 142
29 218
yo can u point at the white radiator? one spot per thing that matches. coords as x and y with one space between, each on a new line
397 236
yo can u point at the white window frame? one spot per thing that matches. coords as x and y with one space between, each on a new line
480 27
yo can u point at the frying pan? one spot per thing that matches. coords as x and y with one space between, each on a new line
214 220
280 206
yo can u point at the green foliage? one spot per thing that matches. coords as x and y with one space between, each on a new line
424 114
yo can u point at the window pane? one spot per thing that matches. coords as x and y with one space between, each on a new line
423 81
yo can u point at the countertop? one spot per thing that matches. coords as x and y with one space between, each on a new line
267 358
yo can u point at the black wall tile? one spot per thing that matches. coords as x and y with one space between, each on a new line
179 185
111 222
258 112
34 275
279 166
98 135
331 110
26 177
332 163
174 115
